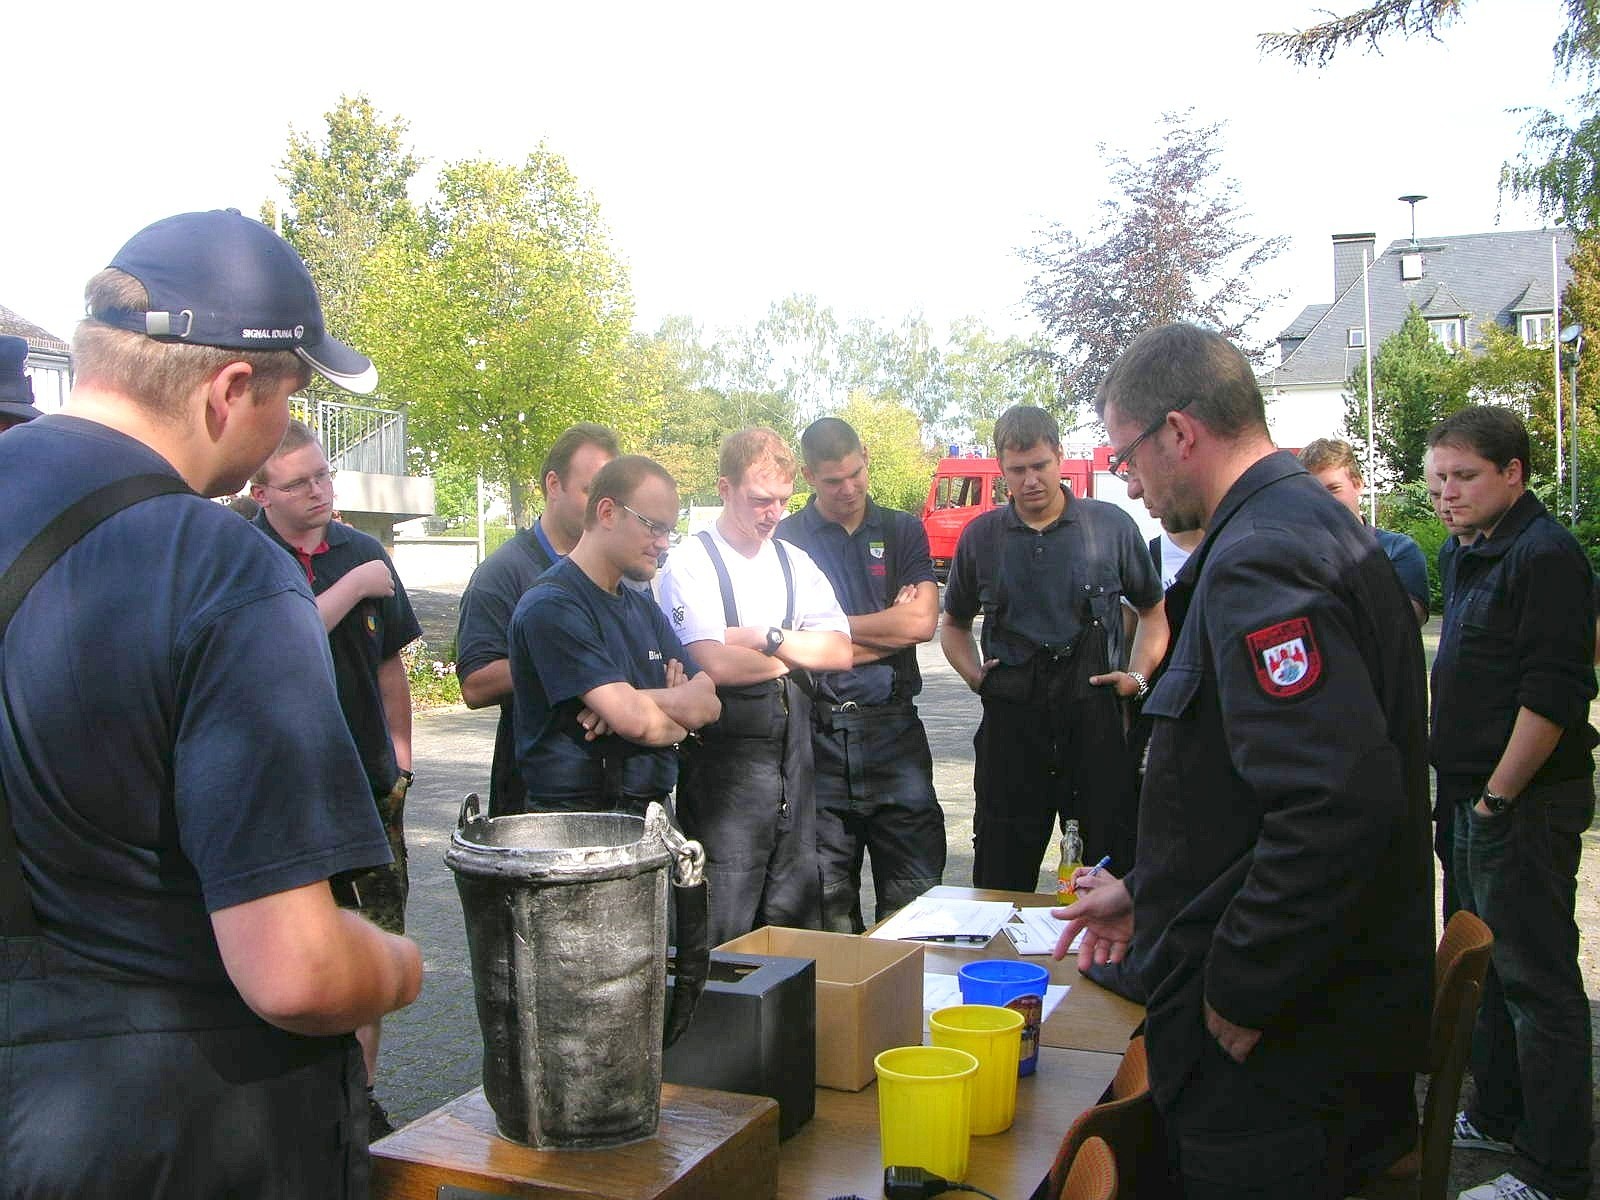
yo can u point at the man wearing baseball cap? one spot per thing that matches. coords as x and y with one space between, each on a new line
16 389
179 988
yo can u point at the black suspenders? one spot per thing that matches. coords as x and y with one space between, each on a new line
65 530
730 609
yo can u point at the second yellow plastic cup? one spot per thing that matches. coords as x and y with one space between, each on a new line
925 1108
994 1037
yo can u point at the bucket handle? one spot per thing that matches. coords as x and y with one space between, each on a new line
470 810
688 855
689 905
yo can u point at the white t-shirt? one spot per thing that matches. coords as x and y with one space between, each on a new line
692 601
1173 556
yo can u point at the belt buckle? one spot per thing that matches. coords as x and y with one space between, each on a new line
849 706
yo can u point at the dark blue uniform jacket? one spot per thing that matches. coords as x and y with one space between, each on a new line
1285 871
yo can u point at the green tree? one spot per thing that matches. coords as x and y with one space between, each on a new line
1418 381
900 464
1171 245
984 375
346 189
507 318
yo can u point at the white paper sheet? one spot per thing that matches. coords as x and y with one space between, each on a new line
926 919
1033 931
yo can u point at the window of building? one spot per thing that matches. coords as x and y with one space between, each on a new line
1538 329
1355 337
1448 332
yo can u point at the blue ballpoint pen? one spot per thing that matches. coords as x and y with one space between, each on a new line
1104 862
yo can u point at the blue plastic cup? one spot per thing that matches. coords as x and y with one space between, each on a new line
1007 983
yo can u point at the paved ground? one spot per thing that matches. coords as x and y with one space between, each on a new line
432 1050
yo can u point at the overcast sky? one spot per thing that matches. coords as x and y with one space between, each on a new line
887 157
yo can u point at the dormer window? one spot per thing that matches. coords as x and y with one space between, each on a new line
1449 332
1355 337
1538 329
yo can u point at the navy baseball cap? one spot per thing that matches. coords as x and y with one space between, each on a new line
16 389
220 279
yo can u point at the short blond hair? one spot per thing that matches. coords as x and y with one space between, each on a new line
1329 454
154 374
757 448
297 435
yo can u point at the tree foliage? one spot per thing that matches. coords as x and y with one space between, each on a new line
347 192
1170 245
900 464
1418 381
507 318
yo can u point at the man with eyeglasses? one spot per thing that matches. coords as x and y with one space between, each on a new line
758 615
369 621
483 657
1279 912
604 688
1048 572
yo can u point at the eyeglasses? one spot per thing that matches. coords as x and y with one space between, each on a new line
302 487
1121 462
656 528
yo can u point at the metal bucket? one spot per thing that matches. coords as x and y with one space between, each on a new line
566 917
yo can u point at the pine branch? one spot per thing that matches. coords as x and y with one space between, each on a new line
1316 45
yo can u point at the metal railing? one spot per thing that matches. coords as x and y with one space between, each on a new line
356 437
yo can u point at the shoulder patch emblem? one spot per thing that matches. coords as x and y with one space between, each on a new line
677 614
1286 658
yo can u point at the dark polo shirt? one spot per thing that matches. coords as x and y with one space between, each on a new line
1037 587
371 632
889 547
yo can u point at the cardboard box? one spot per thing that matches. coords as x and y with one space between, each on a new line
754 1031
869 996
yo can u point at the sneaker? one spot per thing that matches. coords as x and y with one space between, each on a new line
1467 1136
378 1123
1506 1187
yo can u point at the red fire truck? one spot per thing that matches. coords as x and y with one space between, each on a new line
965 485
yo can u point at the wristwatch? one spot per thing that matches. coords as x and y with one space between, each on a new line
1495 803
1144 684
774 640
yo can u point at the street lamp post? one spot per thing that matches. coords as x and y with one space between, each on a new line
1572 338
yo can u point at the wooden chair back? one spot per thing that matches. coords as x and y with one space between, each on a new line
1126 1123
1094 1173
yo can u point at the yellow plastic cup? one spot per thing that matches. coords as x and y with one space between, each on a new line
993 1036
925 1108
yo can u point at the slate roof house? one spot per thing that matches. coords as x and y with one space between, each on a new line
49 360
1458 282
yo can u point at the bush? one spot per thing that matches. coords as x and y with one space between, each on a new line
433 680
495 536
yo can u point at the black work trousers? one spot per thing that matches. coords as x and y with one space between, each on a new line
1262 1130
750 801
1050 747
874 778
113 1088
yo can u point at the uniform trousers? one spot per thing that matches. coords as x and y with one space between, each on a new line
1050 747
750 801
1265 1129
874 781
111 1089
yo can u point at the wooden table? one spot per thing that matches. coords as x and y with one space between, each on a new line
837 1152
1090 1018
709 1145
